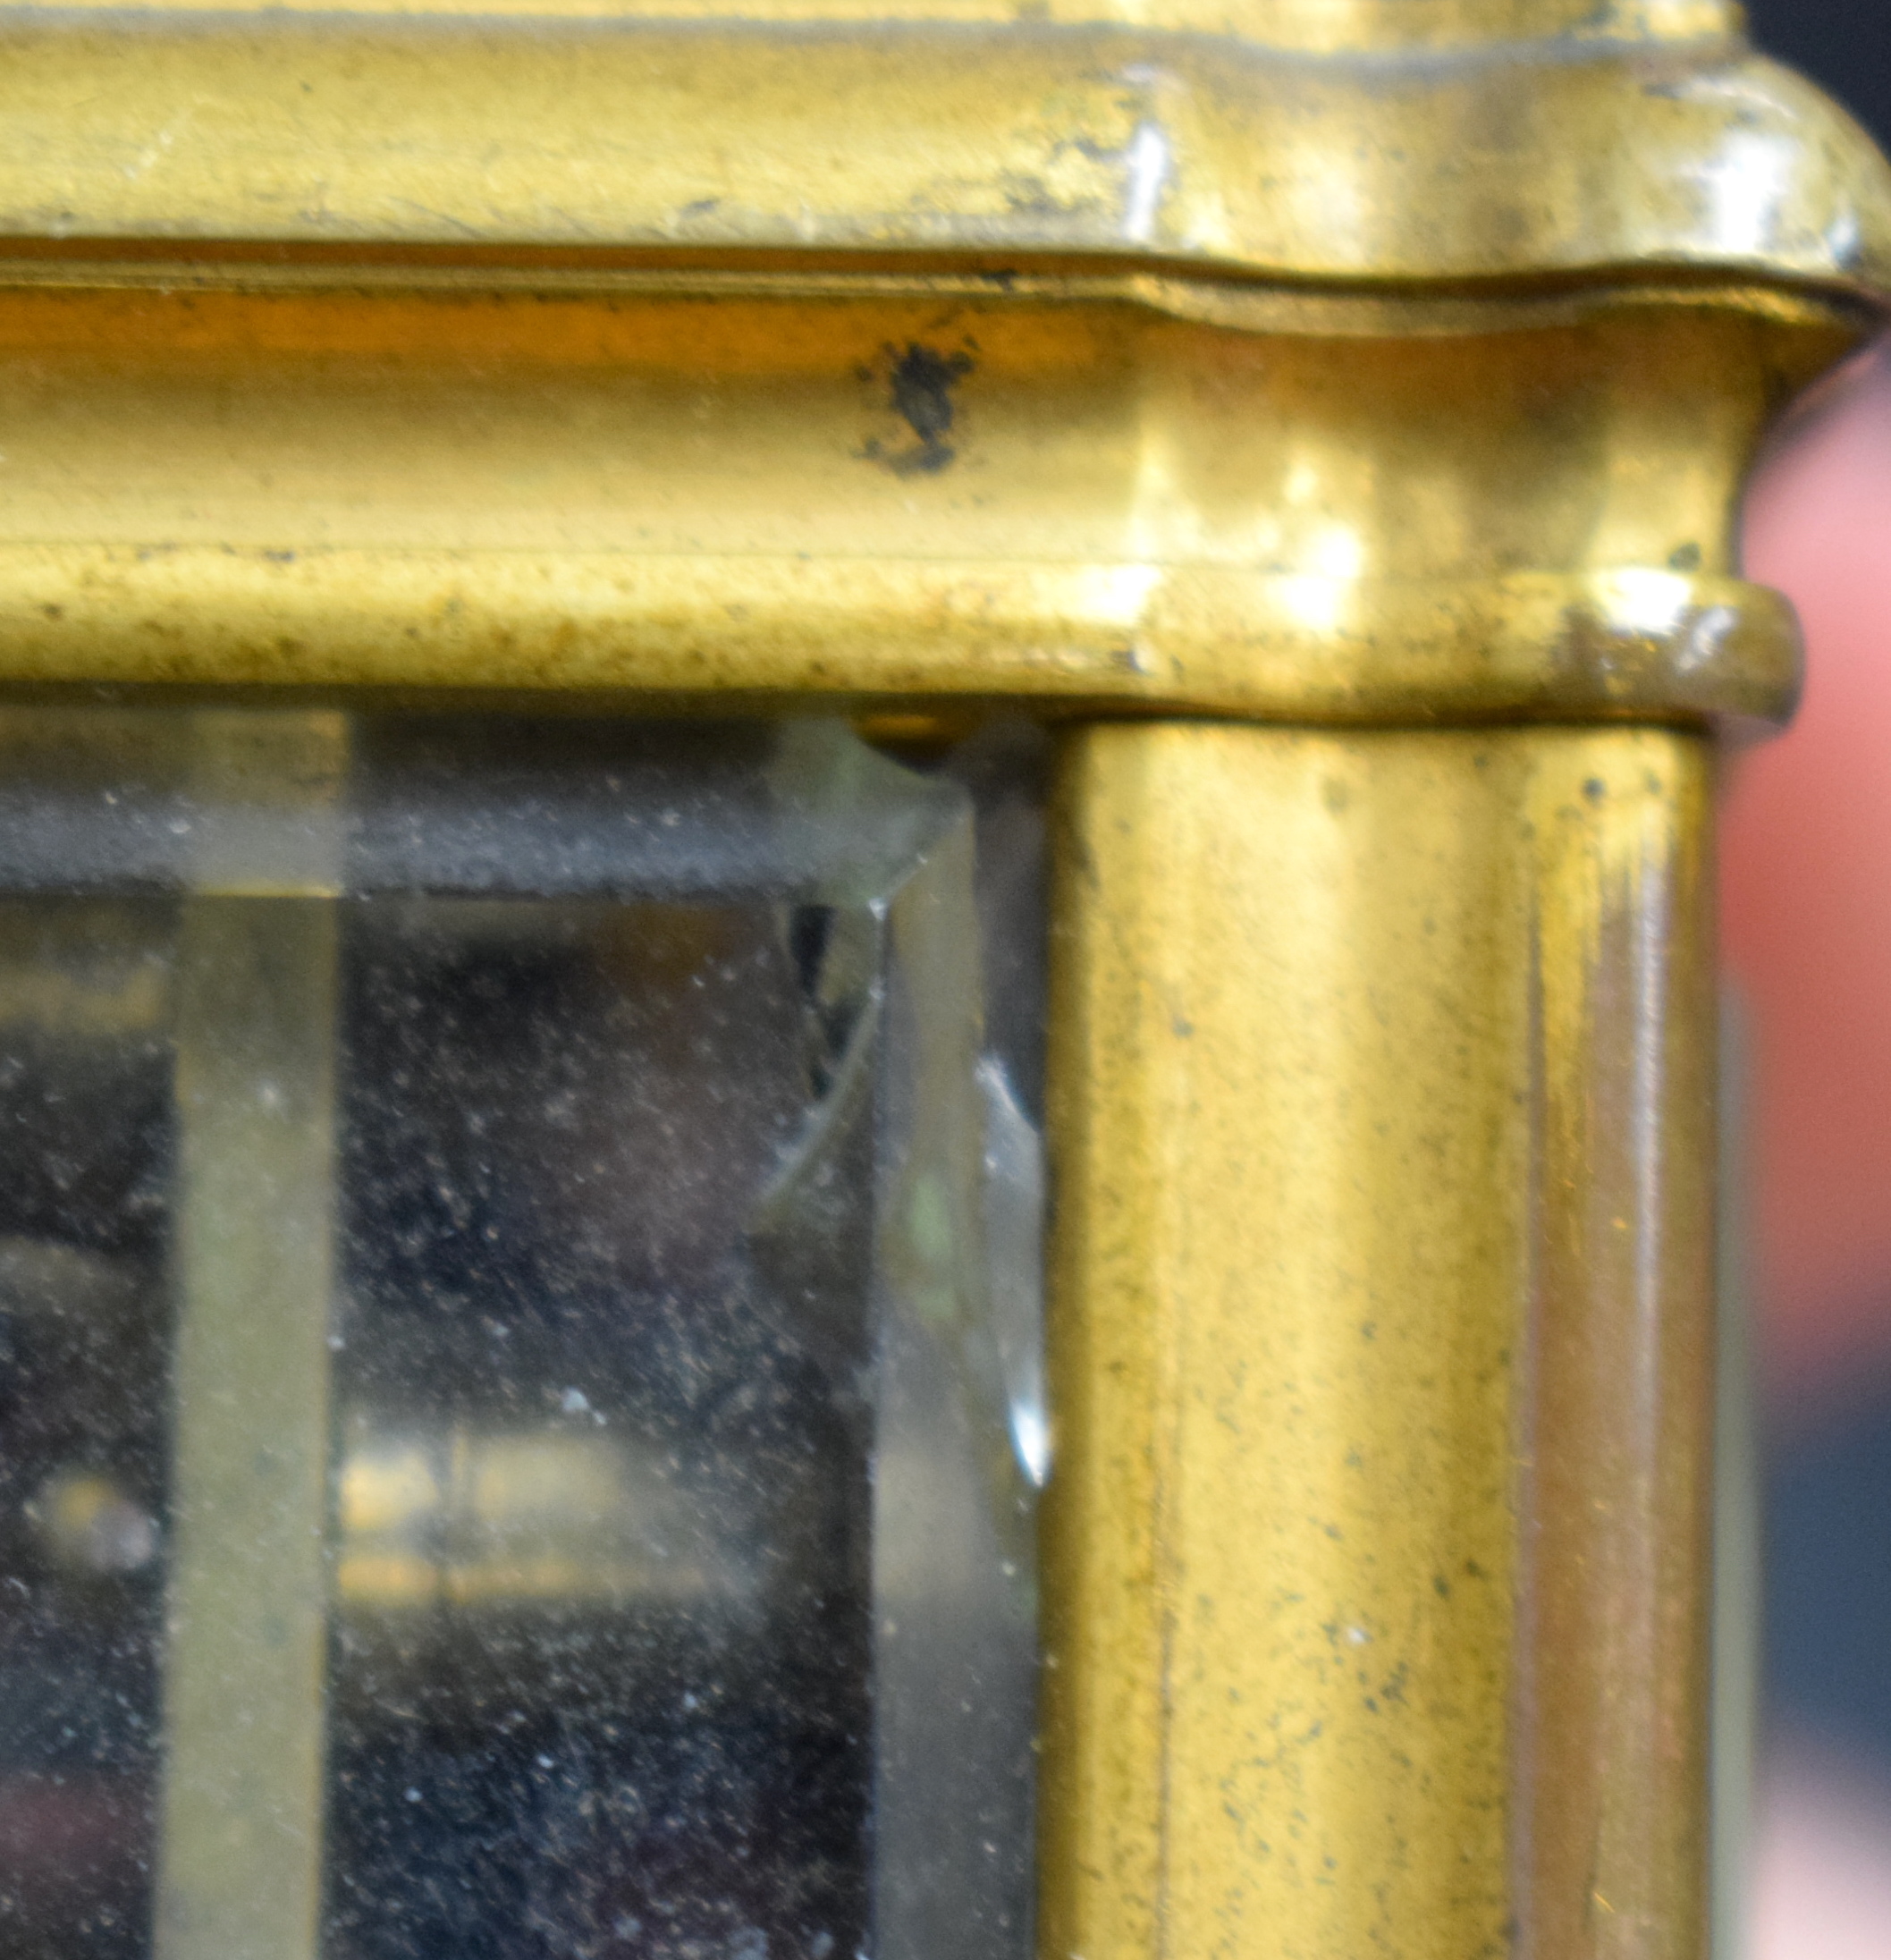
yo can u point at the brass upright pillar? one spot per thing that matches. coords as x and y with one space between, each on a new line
1378 1561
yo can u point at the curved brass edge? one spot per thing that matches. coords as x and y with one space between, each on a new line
1323 312
1509 159
1307 26
1627 643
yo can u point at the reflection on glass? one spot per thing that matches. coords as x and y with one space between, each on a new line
86 1146
518 1393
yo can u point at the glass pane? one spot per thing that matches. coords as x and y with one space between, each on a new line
85 1154
518 1286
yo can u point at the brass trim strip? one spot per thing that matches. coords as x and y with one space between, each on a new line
1311 310
1528 157
1304 26
245 1717
1133 636
241 1861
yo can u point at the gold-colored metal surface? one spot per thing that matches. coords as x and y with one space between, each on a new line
359 350
1018 495
1382 1108
1511 142
1307 26
1330 362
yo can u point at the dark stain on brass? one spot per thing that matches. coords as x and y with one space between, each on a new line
921 381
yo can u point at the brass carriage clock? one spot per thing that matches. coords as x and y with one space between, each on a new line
689 692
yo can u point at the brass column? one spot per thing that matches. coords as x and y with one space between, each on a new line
1377 1575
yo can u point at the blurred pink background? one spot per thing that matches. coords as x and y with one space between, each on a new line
1806 905
1806 895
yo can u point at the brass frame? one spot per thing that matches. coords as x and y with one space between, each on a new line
308 488
1336 410
1385 1257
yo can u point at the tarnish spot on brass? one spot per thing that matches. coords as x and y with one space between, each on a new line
920 383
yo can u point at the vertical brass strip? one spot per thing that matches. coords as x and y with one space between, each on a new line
1738 1575
242 1838
240 1847
1618 1508
1373 1559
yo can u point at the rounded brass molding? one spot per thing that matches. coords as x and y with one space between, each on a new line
1099 638
1304 25
1469 156
886 494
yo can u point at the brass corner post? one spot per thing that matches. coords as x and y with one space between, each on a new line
1332 413
1377 1564
1383 1111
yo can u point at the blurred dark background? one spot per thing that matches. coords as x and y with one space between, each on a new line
1844 45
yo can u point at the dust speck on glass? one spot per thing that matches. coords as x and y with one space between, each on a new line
520 1381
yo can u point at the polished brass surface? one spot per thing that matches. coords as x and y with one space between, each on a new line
1383 1107
364 349
1508 142
1307 26
1529 515
1387 363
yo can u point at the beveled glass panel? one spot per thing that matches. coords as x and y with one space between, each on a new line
518 1283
